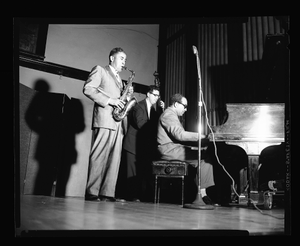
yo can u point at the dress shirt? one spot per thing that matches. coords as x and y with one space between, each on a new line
115 73
148 107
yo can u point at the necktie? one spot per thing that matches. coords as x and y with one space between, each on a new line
119 80
118 77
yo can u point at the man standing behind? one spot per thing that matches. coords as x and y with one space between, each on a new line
104 86
140 144
171 136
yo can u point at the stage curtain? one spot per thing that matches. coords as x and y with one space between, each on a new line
230 55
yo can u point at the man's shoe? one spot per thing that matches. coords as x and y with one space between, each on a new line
120 200
111 199
207 200
89 197
136 200
133 199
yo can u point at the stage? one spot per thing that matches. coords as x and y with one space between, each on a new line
44 215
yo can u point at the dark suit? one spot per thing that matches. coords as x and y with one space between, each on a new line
108 134
140 147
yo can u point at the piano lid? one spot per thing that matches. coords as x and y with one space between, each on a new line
252 122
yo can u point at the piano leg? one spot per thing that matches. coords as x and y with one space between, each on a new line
253 150
253 162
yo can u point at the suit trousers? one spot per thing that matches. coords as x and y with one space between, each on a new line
105 157
173 151
133 181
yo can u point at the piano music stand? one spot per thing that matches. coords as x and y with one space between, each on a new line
198 202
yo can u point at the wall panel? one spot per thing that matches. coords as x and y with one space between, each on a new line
254 34
213 52
175 67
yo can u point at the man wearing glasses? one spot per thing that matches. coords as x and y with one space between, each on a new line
171 137
140 145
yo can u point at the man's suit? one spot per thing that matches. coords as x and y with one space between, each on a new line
105 154
141 129
170 137
140 147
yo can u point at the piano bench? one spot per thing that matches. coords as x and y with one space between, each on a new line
169 169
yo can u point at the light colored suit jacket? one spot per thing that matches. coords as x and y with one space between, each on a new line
171 134
99 87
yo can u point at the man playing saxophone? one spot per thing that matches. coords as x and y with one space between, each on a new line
104 86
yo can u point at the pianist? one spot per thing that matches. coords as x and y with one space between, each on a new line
171 136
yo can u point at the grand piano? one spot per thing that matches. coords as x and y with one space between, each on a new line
253 127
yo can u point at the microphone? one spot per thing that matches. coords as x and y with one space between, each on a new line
195 50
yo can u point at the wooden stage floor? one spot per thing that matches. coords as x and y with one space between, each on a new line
40 214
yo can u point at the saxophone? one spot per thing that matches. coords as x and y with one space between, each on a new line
120 114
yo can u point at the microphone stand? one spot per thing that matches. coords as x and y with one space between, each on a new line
198 202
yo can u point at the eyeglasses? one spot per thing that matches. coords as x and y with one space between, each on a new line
184 105
158 96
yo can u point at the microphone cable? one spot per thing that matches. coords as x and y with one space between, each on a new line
215 146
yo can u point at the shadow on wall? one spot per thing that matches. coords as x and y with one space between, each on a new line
73 124
56 120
